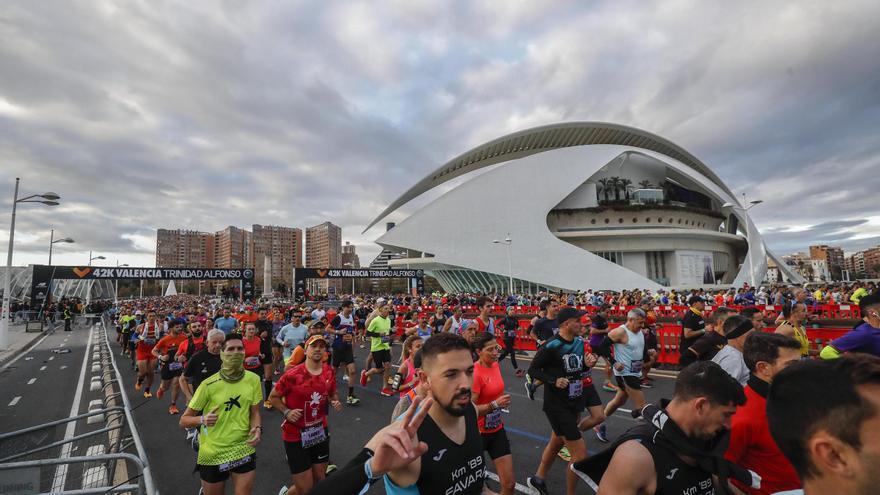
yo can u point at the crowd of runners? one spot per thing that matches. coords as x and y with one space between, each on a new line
225 365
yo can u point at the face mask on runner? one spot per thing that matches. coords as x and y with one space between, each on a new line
232 368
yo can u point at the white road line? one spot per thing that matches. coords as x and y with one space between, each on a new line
25 352
62 367
14 401
43 368
31 381
51 358
61 471
520 488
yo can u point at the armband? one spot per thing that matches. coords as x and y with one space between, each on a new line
395 383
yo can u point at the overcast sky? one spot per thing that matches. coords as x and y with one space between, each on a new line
199 115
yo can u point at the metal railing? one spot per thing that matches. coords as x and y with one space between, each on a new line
99 451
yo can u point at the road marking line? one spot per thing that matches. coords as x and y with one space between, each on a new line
43 368
25 352
63 366
51 358
520 488
31 381
61 471
14 401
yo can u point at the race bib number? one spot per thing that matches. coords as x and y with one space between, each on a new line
575 389
636 366
386 339
313 435
150 341
226 466
175 366
493 419
511 334
252 361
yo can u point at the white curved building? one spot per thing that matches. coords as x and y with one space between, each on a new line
586 205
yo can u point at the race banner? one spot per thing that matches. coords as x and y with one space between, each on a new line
300 275
44 274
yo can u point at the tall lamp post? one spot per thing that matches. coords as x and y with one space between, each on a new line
53 241
47 198
92 258
116 285
752 204
507 240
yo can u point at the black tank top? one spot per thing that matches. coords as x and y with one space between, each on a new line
674 476
449 468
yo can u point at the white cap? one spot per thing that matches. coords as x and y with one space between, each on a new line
380 300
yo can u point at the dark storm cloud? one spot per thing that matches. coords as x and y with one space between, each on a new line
197 115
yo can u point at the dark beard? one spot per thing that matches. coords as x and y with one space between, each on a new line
454 410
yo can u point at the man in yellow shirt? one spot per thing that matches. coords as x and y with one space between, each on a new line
379 331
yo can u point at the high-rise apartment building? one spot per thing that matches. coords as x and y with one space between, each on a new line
283 245
232 248
184 248
833 257
324 250
350 259
872 262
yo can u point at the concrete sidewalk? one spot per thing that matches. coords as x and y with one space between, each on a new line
19 340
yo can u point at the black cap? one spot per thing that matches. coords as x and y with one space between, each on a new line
694 300
568 313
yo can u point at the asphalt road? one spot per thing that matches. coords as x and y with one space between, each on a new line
173 461
39 387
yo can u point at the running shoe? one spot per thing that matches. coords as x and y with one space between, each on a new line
147 394
520 373
601 433
137 386
364 378
172 410
647 383
387 392
345 378
283 490
530 389
608 387
160 393
267 404
538 485
564 454
352 401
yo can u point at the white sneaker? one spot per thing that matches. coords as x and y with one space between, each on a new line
283 490
345 378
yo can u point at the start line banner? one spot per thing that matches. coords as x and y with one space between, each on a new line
43 275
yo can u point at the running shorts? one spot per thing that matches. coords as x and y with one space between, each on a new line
216 474
300 459
564 423
381 357
591 397
496 444
342 355
632 382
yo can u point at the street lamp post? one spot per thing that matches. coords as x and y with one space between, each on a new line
49 199
52 241
116 285
507 240
752 204
92 258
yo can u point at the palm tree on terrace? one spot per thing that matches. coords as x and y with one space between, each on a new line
604 185
624 184
615 185
646 184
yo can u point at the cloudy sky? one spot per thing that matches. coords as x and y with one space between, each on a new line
199 115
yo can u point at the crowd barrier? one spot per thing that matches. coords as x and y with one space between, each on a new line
820 311
668 338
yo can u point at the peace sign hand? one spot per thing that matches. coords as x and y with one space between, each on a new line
397 445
